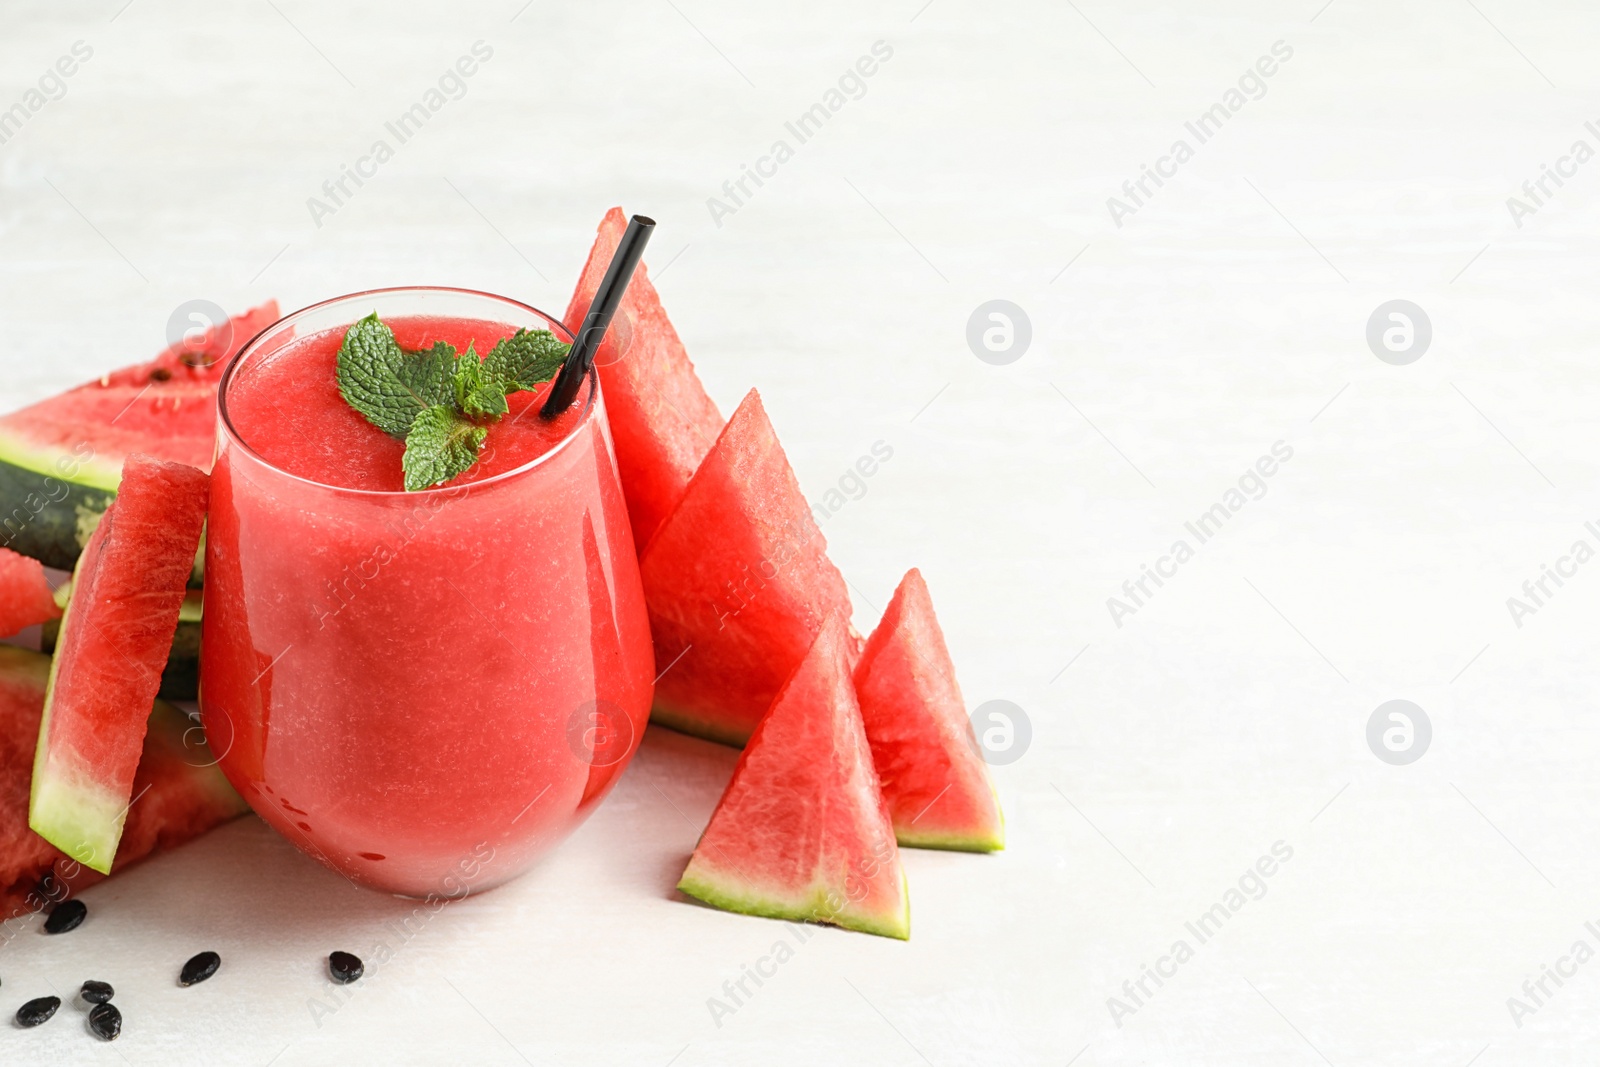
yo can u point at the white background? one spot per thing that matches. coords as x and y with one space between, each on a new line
1168 354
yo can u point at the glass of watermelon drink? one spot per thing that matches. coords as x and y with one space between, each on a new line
424 690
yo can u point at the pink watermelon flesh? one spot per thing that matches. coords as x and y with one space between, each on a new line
662 421
165 408
738 584
126 594
25 595
934 778
181 794
802 831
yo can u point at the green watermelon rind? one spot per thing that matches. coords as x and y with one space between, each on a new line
58 809
995 842
51 514
694 725
53 461
812 907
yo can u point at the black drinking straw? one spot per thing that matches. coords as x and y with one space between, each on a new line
595 321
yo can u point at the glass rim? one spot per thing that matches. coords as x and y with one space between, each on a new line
585 417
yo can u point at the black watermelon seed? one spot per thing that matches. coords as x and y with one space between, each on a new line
199 968
106 1021
344 967
37 1011
97 992
68 915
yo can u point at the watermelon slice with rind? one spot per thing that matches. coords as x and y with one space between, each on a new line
662 421
802 831
181 678
25 594
127 592
738 584
934 778
180 792
61 458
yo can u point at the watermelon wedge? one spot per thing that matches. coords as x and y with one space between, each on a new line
60 459
180 679
802 831
738 584
662 421
127 592
934 778
180 793
25 594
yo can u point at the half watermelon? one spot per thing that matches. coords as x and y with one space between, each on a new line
61 459
180 794
661 419
934 778
802 831
127 592
738 584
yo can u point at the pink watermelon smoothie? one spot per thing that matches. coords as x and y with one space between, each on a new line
409 686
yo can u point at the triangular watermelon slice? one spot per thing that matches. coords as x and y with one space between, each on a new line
25 595
934 778
60 459
738 584
802 831
116 633
661 419
181 794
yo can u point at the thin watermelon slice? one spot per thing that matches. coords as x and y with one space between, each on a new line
934 778
662 421
60 459
25 594
127 592
802 831
180 679
738 584
180 794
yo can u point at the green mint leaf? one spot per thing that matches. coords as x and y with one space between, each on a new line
477 392
440 445
426 375
487 401
525 359
387 385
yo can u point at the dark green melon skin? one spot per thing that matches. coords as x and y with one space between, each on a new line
50 517
42 515
180 678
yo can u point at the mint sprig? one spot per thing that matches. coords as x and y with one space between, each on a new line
441 404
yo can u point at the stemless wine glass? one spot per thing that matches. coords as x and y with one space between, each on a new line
426 690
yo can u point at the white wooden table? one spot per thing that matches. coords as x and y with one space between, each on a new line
1227 312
